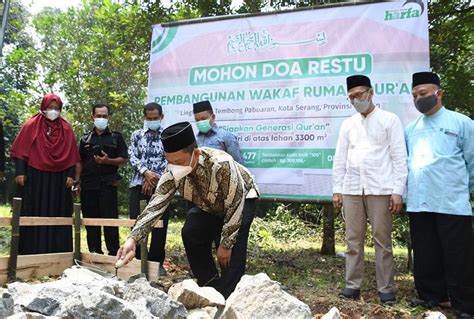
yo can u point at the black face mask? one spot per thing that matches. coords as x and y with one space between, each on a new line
426 104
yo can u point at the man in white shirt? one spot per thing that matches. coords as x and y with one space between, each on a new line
369 176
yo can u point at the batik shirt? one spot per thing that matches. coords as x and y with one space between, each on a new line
146 153
219 187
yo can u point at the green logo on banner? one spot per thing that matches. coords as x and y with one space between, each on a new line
163 40
284 69
401 14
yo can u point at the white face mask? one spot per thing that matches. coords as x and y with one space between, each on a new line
361 106
52 114
101 123
181 171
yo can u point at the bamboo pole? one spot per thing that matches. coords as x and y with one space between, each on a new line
77 231
15 239
67 221
144 246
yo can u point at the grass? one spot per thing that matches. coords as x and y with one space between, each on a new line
298 266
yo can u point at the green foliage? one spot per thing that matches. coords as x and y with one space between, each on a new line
98 53
280 224
252 6
17 74
451 45
210 7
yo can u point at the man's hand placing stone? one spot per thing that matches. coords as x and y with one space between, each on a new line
126 253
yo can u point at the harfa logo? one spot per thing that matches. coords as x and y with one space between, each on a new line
406 13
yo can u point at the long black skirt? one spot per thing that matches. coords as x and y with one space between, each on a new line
45 195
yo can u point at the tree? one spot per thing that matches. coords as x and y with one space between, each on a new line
17 76
451 47
208 8
99 53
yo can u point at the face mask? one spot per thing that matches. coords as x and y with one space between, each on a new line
180 171
204 126
51 114
153 125
426 104
361 106
101 123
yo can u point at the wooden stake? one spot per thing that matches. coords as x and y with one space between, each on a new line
144 246
77 231
15 239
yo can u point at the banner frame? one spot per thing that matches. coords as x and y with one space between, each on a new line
277 199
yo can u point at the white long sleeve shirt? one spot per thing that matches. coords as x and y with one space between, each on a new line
371 156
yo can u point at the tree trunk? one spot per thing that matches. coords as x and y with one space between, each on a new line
329 246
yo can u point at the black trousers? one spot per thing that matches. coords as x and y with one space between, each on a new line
156 251
199 232
101 203
443 249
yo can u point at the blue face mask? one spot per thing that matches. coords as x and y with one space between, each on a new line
204 126
101 123
153 125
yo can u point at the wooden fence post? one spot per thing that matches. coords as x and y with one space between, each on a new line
329 244
77 231
144 246
15 239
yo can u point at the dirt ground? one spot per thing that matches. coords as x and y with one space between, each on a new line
317 279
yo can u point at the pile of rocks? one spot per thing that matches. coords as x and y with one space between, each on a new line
81 293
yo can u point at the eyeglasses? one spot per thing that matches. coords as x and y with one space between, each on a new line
357 95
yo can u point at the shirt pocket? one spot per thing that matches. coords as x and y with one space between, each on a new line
445 142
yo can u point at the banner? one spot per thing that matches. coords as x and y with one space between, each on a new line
277 81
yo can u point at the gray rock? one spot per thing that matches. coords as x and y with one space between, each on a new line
204 313
133 278
46 306
31 315
81 293
259 297
214 312
332 314
341 254
192 296
435 315
198 314
158 303
97 304
6 304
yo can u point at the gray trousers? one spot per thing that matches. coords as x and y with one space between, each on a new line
356 211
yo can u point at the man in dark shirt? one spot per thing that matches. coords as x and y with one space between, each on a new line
102 152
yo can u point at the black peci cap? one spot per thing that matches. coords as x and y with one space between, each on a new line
425 78
202 106
177 137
